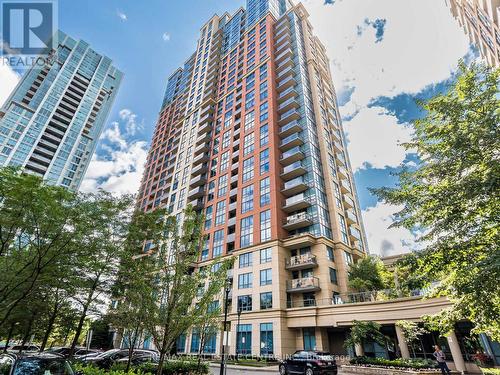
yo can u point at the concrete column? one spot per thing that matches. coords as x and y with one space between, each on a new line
456 353
403 345
359 350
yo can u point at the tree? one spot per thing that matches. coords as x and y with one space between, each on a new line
412 332
363 331
452 198
179 302
368 274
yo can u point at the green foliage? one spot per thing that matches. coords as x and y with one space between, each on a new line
91 370
411 330
490 371
452 198
411 363
362 331
368 274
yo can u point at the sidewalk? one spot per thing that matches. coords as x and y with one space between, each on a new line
249 368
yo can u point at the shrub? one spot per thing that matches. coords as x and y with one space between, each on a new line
490 371
177 368
400 362
91 370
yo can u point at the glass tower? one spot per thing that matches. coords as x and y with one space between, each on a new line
51 122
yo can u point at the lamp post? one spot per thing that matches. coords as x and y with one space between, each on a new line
226 306
237 328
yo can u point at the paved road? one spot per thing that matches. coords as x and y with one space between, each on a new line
246 371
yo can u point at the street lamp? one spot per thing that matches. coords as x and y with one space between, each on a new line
226 306
237 327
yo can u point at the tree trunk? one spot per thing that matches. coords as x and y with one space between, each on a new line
52 319
28 331
78 331
9 336
162 354
131 349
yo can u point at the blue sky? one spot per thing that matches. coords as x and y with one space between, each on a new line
384 54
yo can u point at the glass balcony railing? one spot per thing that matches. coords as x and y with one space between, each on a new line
303 284
291 152
295 182
301 260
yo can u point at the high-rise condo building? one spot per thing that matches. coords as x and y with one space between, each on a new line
51 122
249 134
480 20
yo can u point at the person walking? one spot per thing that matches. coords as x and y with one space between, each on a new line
441 360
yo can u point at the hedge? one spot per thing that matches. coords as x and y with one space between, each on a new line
400 362
490 371
169 368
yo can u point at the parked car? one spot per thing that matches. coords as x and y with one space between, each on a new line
139 357
27 348
309 362
79 352
107 359
35 364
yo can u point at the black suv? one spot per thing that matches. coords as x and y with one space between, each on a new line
309 362
35 364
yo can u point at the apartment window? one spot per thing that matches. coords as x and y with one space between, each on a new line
263 112
245 280
265 255
248 144
226 138
266 277
222 190
348 258
266 300
330 253
249 99
245 260
245 303
247 200
195 341
220 213
264 161
265 191
248 167
246 238
244 339
343 229
204 251
208 217
263 90
224 161
181 343
180 204
264 135
249 120
309 335
263 72
218 243
250 81
337 195
333 275
228 117
266 338
265 225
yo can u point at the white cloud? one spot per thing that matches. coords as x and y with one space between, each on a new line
375 137
9 80
166 37
121 15
120 166
131 126
382 240
421 45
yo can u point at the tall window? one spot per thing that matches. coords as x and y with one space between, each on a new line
220 213
245 303
245 280
266 255
264 161
263 112
249 120
226 138
266 338
343 229
309 338
247 199
224 161
265 191
266 277
249 99
330 253
218 243
222 187
195 341
248 144
246 238
263 90
204 251
244 339
208 217
266 300
248 167
333 275
264 135
265 225
245 260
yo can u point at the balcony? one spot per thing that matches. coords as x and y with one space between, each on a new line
342 172
300 220
231 222
206 128
285 73
293 170
282 39
208 117
306 284
287 94
197 204
337 146
291 141
340 158
231 238
345 186
289 129
301 261
348 201
291 156
300 240
354 233
204 138
286 117
233 192
204 147
283 55
198 181
196 193
234 179
285 43
286 83
200 169
351 217
297 202
288 105
295 186
202 158
284 64
232 207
